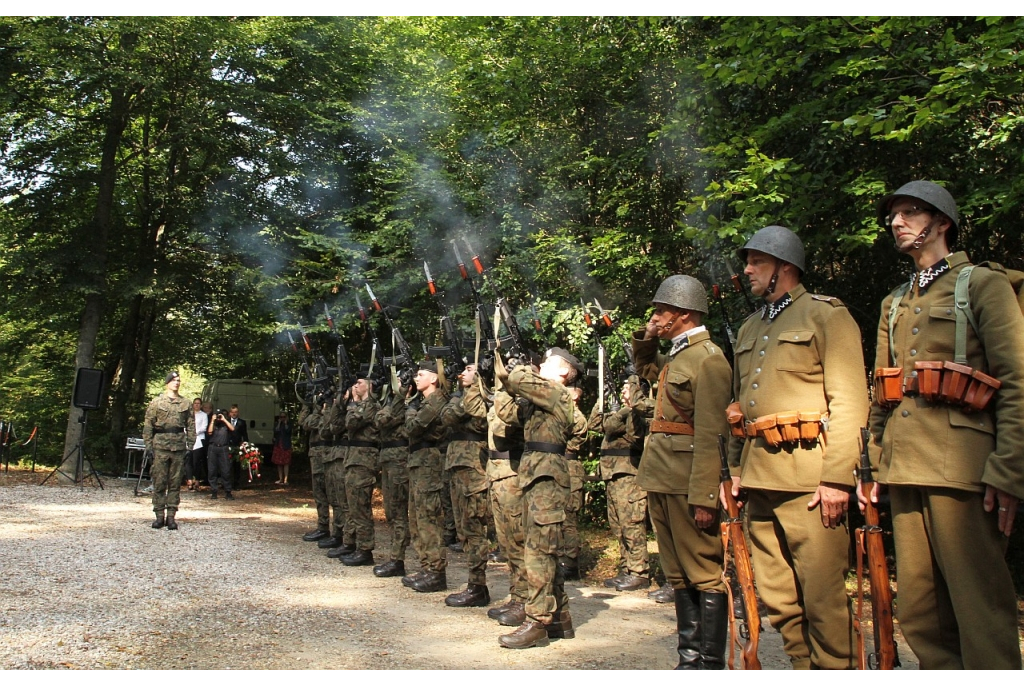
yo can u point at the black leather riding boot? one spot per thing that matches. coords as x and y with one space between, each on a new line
688 627
714 629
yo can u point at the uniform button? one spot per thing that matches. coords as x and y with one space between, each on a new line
917 310
761 353
765 337
913 374
757 370
905 413
752 403
915 330
710 496
949 311
754 386
913 353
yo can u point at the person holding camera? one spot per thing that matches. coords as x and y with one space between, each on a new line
226 431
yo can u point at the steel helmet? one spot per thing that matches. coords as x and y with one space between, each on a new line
779 242
683 292
932 193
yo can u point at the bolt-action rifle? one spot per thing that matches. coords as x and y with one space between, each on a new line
607 393
404 360
613 327
869 542
307 386
727 330
732 532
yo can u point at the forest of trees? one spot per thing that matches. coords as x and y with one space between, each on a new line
183 191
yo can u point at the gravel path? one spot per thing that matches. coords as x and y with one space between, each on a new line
87 584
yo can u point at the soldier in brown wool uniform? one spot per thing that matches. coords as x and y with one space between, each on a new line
544 477
309 421
426 517
681 464
361 470
802 399
394 479
465 415
621 448
952 457
169 429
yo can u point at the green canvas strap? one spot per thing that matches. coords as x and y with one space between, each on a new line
963 314
898 296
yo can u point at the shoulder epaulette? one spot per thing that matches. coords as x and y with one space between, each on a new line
834 301
711 347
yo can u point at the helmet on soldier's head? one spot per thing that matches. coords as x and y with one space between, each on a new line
926 191
779 242
683 292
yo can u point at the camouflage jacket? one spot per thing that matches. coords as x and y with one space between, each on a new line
169 425
619 443
311 420
504 434
360 428
465 415
551 420
390 424
423 422
333 427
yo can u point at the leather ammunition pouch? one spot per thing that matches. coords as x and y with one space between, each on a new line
951 383
785 427
734 415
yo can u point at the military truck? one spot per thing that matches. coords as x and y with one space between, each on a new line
258 404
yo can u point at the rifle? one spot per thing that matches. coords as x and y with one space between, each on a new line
869 541
452 349
321 368
404 359
605 379
519 347
342 368
378 373
732 531
483 321
730 336
305 389
613 326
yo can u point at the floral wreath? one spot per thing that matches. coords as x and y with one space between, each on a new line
249 455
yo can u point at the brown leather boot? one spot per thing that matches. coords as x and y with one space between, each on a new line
561 628
159 523
530 634
472 596
171 523
514 616
496 612
412 578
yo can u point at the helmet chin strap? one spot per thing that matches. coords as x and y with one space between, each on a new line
774 281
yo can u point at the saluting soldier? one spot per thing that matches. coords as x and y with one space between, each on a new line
681 464
544 478
394 481
361 470
505 452
953 464
465 415
800 384
621 448
426 517
309 421
169 429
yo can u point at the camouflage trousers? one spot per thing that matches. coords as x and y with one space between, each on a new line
395 489
447 506
426 517
323 510
570 527
627 518
334 482
166 473
507 507
544 502
359 482
469 502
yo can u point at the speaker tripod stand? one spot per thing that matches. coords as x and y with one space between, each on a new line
81 462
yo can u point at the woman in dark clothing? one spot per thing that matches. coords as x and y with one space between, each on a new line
282 455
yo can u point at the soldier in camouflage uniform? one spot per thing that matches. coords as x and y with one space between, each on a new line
621 448
309 421
569 556
361 470
544 478
426 518
451 536
465 415
343 539
394 464
169 429
505 443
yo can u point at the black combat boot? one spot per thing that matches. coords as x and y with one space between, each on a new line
473 596
340 551
570 568
159 523
612 582
663 595
171 523
561 627
329 542
714 630
412 578
496 612
688 628
433 581
315 535
390 569
361 557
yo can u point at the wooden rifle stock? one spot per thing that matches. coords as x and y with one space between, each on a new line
869 542
732 532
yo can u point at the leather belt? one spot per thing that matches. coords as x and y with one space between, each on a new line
321 443
417 446
671 427
362 443
179 429
549 447
621 453
467 437
572 455
393 443
510 454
